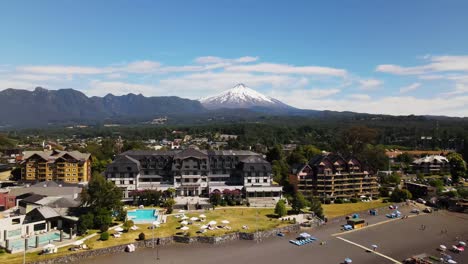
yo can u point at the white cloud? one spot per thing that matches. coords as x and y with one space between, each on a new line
436 64
360 97
34 77
287 69
140 67
406 105
370 84
460 88
410 87
216 60
62 69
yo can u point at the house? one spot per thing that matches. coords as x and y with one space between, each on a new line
421 190
433 164
330 176
63 166
7 200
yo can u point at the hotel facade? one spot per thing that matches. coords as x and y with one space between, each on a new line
193 172
331 176
60 166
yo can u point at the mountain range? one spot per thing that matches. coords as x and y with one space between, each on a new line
42 107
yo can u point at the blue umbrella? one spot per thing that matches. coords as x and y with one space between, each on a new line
348 260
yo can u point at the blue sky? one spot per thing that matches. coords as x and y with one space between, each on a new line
394 57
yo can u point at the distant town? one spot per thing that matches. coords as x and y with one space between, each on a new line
73 192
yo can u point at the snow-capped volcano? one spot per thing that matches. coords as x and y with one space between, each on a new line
241 96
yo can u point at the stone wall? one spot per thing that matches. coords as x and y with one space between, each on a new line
76 257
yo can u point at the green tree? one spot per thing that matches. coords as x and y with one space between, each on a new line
104 236
101 194
309 151
169 204
280 170
275 153
374 156
216 198
280 208
85 222
316 207
356 138
299 202
457 167
398 195
296 157
405 158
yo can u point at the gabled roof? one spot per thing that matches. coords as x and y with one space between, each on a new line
46 212
190 152
33 198
55 154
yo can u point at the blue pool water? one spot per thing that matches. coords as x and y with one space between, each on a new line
43 239
142 215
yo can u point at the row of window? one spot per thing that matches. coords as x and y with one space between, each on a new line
257 180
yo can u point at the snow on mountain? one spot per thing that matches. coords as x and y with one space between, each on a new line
241 96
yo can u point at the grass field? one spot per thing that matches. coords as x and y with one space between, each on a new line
335 210
237 217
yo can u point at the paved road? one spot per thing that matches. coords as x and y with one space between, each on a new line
397 240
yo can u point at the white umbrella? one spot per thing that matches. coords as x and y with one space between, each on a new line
451 261
184 217
119 229
185 228
184 223
442 247
49 246
212 223
225 222
203 227
78 243
348 260
202 216
194 218
181 211
461 243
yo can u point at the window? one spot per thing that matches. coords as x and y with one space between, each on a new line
186 180
265 180
257 180
249 180
129 168
131 182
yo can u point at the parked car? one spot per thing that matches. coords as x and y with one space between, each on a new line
420 200
415 211
427 210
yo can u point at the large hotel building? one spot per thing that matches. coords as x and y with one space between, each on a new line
54 165
193 172
332 176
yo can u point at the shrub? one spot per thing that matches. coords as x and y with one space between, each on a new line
338 201
104 236
280 208
354 200
104 228
126 226
141 236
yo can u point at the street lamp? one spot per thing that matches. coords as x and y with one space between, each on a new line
25 248
155 224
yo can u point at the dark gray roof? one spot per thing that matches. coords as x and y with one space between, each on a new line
33 198
47 212
254 159
190 153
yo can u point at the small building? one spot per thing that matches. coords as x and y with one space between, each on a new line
420 190
433 164
356 223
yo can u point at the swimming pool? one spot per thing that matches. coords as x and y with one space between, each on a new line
142 215
18 244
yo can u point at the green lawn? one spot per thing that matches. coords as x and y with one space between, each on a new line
237 217
335 210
